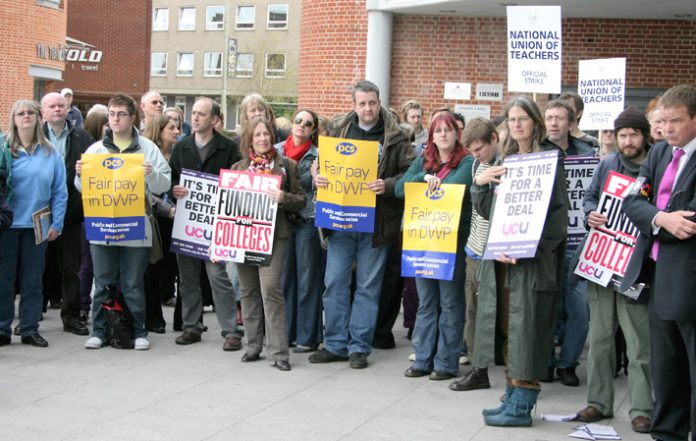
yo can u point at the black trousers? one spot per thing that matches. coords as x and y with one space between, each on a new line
673 369
65 255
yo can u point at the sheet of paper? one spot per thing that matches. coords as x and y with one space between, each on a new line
551 417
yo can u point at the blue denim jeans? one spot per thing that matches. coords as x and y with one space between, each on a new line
350 327
438 335
303 286
123 267
19 244
574 323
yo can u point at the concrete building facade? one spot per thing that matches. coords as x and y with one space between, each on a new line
225 50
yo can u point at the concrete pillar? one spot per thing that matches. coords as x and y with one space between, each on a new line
379 44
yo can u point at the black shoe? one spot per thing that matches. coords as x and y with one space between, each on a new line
159 329
324 356
568 377
35 340
282 365
386 342
474 379
248 358
549 376
84 316
440 375
409 334
5 340
358 360
77 328
17 331
415 373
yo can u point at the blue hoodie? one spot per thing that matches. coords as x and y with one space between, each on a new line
38 180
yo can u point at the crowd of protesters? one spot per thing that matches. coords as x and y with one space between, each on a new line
337 294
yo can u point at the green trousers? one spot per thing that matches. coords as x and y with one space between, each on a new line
609 309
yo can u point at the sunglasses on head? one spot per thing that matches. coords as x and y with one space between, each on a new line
300 121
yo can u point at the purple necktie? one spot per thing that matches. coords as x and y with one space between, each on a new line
666 190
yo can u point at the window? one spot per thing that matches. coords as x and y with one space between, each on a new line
245 65
245 17
180 102
184 64
160 19
213 64
277 16
158 64
53 4
275 65
187 19
214 18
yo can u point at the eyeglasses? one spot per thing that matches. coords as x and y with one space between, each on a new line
521 120
25 113
300 121
444 130
118 115
155 102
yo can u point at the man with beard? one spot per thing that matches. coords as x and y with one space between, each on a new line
609 308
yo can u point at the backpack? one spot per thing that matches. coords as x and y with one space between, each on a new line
119 320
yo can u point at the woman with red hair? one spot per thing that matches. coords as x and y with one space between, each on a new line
437 336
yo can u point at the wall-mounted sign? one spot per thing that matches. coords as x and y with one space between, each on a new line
473 111
457 91
47 52
231 56
84 54
489 92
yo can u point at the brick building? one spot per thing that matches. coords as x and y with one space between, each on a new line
108 50
33 51
465 41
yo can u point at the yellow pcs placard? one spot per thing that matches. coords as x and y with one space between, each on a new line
349 165
113 185
431 218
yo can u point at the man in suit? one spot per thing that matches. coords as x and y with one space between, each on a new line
663 207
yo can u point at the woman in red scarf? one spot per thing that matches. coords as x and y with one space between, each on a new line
303 280
263 305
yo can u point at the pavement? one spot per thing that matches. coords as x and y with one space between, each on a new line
199 392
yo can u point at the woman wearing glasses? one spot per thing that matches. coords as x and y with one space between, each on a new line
437 336
37 181
521 295
303 281
263 305
161 275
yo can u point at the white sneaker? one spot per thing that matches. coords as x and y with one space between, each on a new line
141 344
94 343
464 360
412 357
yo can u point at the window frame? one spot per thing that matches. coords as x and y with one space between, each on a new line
181 10
166 21
285 65
268 17
236 19
208 24
179 56
250 71
205 65
152 64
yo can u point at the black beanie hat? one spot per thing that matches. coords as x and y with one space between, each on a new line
632 118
